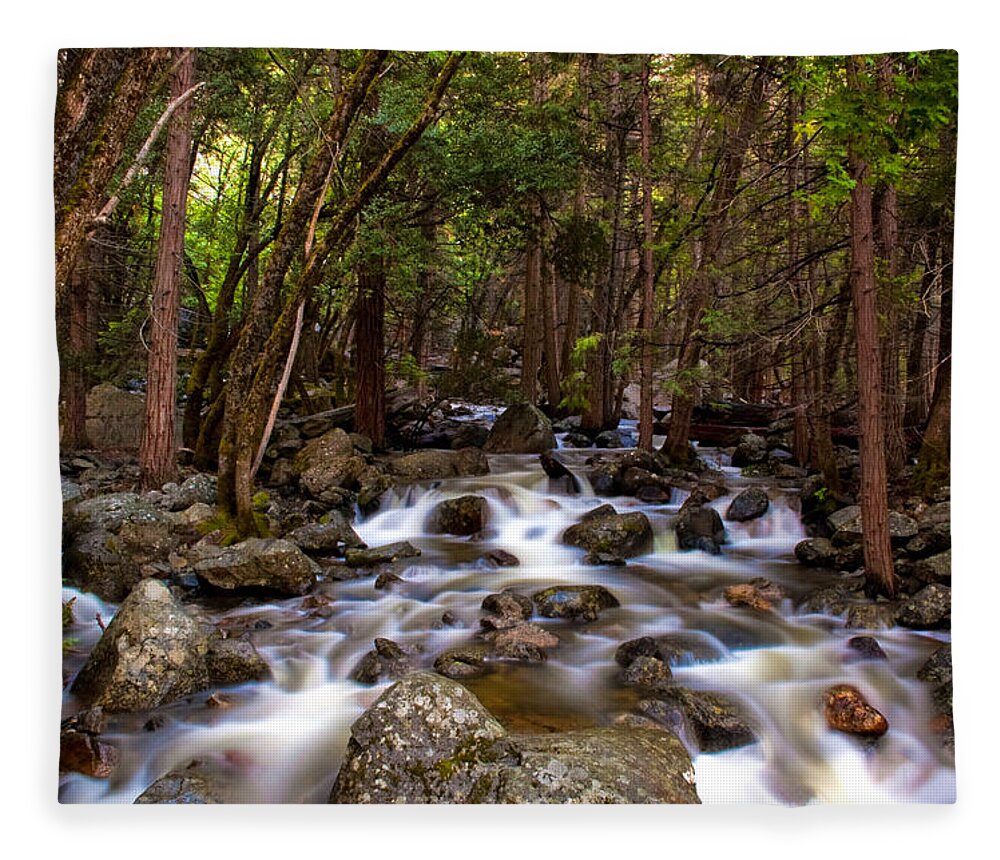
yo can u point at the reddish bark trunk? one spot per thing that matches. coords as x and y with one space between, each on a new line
646 384
157 451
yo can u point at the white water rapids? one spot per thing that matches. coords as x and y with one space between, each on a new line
281 741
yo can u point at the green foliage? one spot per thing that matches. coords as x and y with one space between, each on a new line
575 385
407 368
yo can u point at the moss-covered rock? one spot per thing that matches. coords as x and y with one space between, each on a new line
521 429
465 515
621 535
278 565
574 601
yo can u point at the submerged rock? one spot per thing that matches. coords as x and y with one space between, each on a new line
757 594
847 711
866 648
429 740
465 661
190 784
574 601
521 429
616 535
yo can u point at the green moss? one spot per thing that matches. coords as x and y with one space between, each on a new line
261 500
223 522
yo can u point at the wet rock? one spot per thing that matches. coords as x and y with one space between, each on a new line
604 510
521 429
700 528
647 672
553 466
501 558
435 465
327 464
608 559
198 489
752 449
372 483
937 569
470 436
467 661
234 661
928 609
524 641
575 439
152 652
465 515
751 504
387 579
82 752
190 784
816 552
833 600
713 722
645 646
574 601
275 564
387 660
330 537
866 648
429 740
937 669
645 485
871 616
609 439
622 535
845 526
758 594
847 711
380 554
506 609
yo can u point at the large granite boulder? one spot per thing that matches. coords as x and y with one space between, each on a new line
329 464
521 429
845 526
429 740
152 652
750 504
700 527
465 515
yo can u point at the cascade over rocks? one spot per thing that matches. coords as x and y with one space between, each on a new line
711 721
521 429
429 740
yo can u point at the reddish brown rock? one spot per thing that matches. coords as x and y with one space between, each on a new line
86 754
847 711
758 594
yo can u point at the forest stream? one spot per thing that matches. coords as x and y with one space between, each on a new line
282 740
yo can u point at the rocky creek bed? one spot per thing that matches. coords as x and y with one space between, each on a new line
556 624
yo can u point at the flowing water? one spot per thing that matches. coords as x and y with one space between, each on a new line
281 741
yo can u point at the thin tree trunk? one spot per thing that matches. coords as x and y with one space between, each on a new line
646 384
879 575
549 311
158 448
369 349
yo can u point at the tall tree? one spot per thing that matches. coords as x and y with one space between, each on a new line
158 449
646 393
879 575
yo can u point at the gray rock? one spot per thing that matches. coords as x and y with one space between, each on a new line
752 449
609 439
866 648
647 672
845 526
714 722
152 652
332 536
700 528
429 740
234 661
937 568
816 552
466 661
97 562
574 601
505 610
871 616
621 535
748 505
380 554
937 668
435 465
521 429
928 609
190 784
329 464
259 563
198 488
465 515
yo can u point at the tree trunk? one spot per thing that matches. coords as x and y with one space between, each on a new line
549 315
369 350
894 396
158 448
879 575
646 384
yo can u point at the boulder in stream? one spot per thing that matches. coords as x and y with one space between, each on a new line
574 601
521 429
750 504
429 740
616 535
192 783
712 722
701 528
274 564
330 537
846 710
370 557
436 465
466 515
